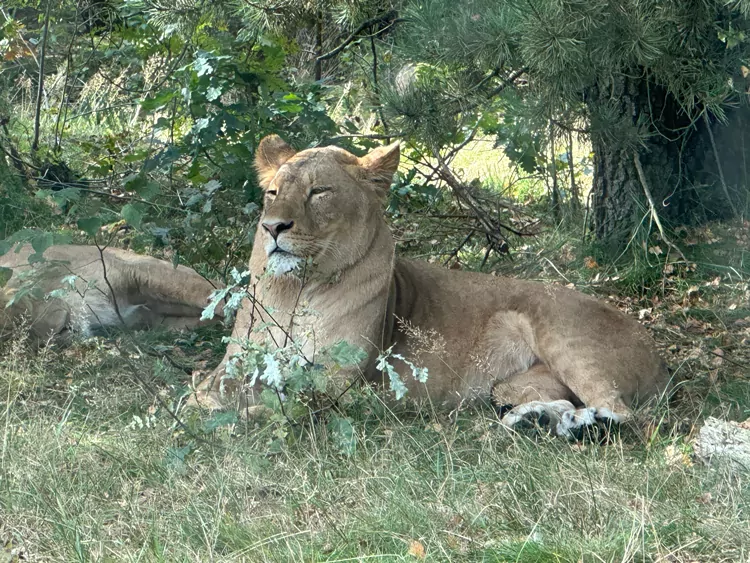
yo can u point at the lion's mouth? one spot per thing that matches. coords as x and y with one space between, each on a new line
278 253
281 252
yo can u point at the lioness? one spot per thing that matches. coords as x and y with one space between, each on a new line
554 354
125 289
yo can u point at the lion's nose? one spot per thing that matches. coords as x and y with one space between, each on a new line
277 228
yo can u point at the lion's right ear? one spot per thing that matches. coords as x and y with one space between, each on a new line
381 164
271 154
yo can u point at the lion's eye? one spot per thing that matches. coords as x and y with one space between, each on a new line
271 192
319 190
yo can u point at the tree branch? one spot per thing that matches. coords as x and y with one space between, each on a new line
390 17
491 226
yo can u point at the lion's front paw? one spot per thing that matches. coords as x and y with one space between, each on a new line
205 399
562 419
211 395
591 423
537 415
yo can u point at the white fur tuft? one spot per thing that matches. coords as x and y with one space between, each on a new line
281 263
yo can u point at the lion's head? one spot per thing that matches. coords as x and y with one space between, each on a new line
322 204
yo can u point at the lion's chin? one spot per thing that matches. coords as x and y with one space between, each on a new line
282 263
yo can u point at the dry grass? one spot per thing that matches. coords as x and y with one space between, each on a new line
94 469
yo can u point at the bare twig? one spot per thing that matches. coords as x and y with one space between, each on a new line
318 67
375 137
135 371
718 165
652 207
12 153
65 95
509 81
40 88
575 202
112 294
491 226
456 250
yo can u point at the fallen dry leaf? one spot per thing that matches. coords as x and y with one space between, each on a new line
416 549
676 457
590 263
718 358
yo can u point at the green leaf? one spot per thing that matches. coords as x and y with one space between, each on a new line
136 156
343 435
41 242
345 354
202 66
216 297
175 459
133 214
213 94
5 275
139 184
90 225
160 100
133 182
219 420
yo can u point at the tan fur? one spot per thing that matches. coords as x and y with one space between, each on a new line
148 292
474 332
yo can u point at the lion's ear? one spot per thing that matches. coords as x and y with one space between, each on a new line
271 154
381 164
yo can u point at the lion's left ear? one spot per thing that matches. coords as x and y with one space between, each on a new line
272 152
381 164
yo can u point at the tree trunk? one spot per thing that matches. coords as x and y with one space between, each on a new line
680 169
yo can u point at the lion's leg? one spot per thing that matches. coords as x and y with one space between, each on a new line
534 397
541 399
217 391
605 397
156 292
535 384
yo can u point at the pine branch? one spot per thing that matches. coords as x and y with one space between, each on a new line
390 17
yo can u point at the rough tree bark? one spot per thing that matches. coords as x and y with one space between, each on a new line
677 159
618 200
